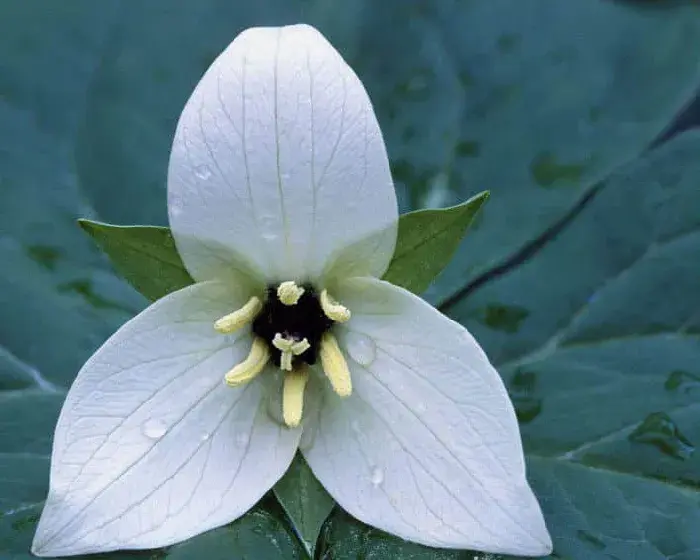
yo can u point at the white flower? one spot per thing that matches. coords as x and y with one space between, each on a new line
282 206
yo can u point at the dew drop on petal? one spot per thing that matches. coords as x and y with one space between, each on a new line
361 348
377 476
242 439
203 172
204 436
175 210
154 428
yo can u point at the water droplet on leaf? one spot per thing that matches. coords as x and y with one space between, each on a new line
661 431
361 348
377 476
154 428
203 172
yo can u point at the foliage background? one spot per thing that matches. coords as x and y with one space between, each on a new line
580 277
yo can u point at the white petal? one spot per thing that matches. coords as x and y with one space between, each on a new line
151 446
278 159
427 447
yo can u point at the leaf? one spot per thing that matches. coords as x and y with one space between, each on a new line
59 297
257 535
602 361
427 240
305 501
345 538
470 96
145 256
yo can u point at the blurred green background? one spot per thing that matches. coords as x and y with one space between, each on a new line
581 278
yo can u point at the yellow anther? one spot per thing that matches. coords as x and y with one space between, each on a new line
334 365
251 366
289 293
234 321
293 396
289 347
334 310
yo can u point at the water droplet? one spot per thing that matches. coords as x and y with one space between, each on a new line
242 439
175 210
203 172
269 236
361 348
377 476
681 380
154 428
660 430
421 407
204 436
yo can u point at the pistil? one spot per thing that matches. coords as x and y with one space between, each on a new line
291 328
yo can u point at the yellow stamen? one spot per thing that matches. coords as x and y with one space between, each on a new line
289 347
334 310
293 396
334 365
251 366
234 321
289 293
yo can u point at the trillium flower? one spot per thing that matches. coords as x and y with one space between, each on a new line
282 207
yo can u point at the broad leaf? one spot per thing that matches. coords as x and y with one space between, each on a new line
470 95
505 95
258 535
145 256
345 538
305 501
427 240
597 337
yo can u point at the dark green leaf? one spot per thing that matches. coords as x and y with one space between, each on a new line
146 256
602 363
345 538
305 501
427 240
257 536
470 95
